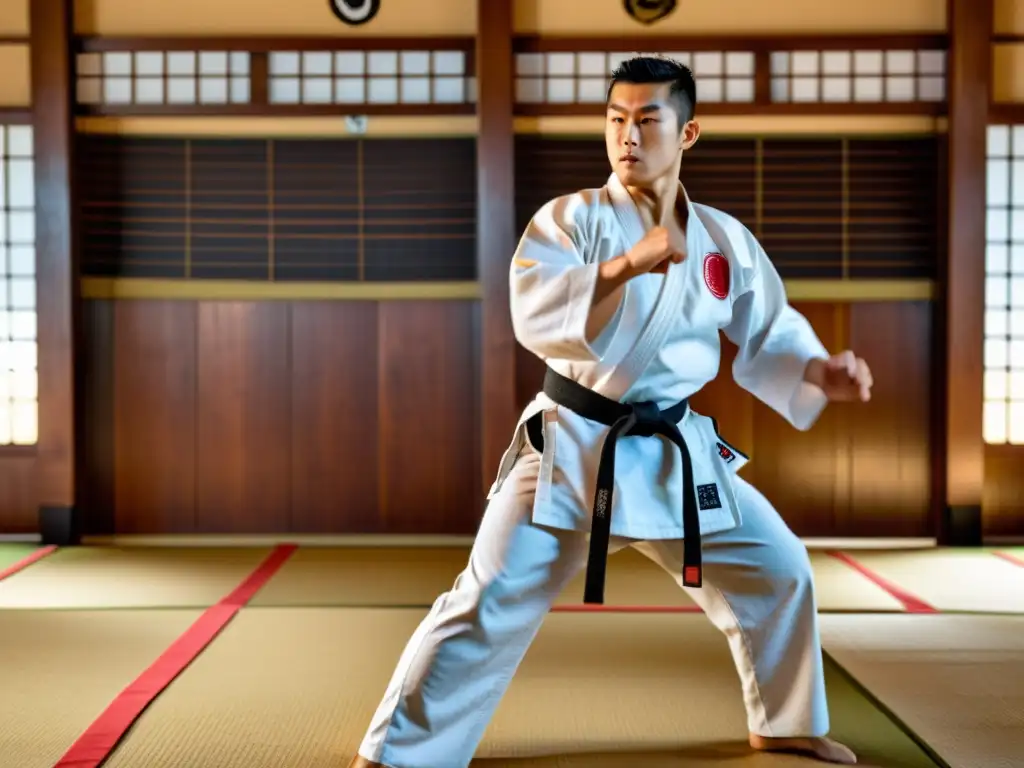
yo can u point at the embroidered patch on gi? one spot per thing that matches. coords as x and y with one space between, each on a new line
707 496
725 453
716 275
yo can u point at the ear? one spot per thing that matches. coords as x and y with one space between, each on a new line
689 135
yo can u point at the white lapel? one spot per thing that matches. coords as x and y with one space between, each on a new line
626 367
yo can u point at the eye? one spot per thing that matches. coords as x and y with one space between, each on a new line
618 120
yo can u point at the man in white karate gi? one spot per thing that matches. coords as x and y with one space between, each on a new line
623 291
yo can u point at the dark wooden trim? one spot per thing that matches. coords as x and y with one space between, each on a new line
17 451
940 323
256 109
969 73
936 109
57 279
259 79
1007 38
522 43
271 110
16 115
267 44
15 39
762 80
496 236
1006 112
538 44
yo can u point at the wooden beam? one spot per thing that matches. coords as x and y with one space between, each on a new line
496 237
51 23
961 470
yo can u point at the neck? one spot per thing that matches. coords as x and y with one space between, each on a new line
660 198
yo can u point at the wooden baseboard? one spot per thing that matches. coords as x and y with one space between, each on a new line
424 541
269 540
837 291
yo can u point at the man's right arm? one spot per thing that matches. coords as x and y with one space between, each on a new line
561 298
562 302
612 276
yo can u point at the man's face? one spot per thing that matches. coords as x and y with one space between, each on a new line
642 133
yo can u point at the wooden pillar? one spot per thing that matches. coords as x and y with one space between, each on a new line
496 236
57 305
961 474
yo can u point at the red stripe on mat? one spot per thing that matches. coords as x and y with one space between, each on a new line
100 739
1002 555
586 608
26 561
911 603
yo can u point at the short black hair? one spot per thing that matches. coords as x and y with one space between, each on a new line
658 69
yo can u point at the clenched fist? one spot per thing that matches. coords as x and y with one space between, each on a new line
843 378
654 253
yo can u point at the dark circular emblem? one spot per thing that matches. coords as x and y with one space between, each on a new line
649 11
354 12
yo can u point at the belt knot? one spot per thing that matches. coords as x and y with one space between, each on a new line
647 415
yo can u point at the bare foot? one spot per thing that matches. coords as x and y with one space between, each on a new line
817 747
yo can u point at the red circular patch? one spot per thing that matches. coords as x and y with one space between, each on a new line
716 275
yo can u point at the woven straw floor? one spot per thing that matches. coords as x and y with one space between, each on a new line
62 668
953 580
130 577
410 577
956 681
293 688
294 677
12 553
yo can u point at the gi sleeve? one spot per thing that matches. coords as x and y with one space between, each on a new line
552 285
775 344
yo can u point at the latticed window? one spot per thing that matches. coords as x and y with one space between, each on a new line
1004 286
18 379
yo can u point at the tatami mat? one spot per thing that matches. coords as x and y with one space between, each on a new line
415 577
956 681
1016 553
138 577
363 576
132 577
296 687
12 553
952 579
62 668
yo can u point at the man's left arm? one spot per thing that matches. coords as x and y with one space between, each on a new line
781 361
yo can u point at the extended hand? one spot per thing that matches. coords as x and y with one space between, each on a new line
843 377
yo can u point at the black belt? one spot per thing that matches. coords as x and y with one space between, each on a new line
626 420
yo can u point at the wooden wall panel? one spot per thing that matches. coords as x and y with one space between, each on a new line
243 417
19 496
342 417
96 476
335 406
429 470
274 417
155 416
1004 491
805 474
890 484
862 470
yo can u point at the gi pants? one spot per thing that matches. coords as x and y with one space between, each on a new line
758 590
